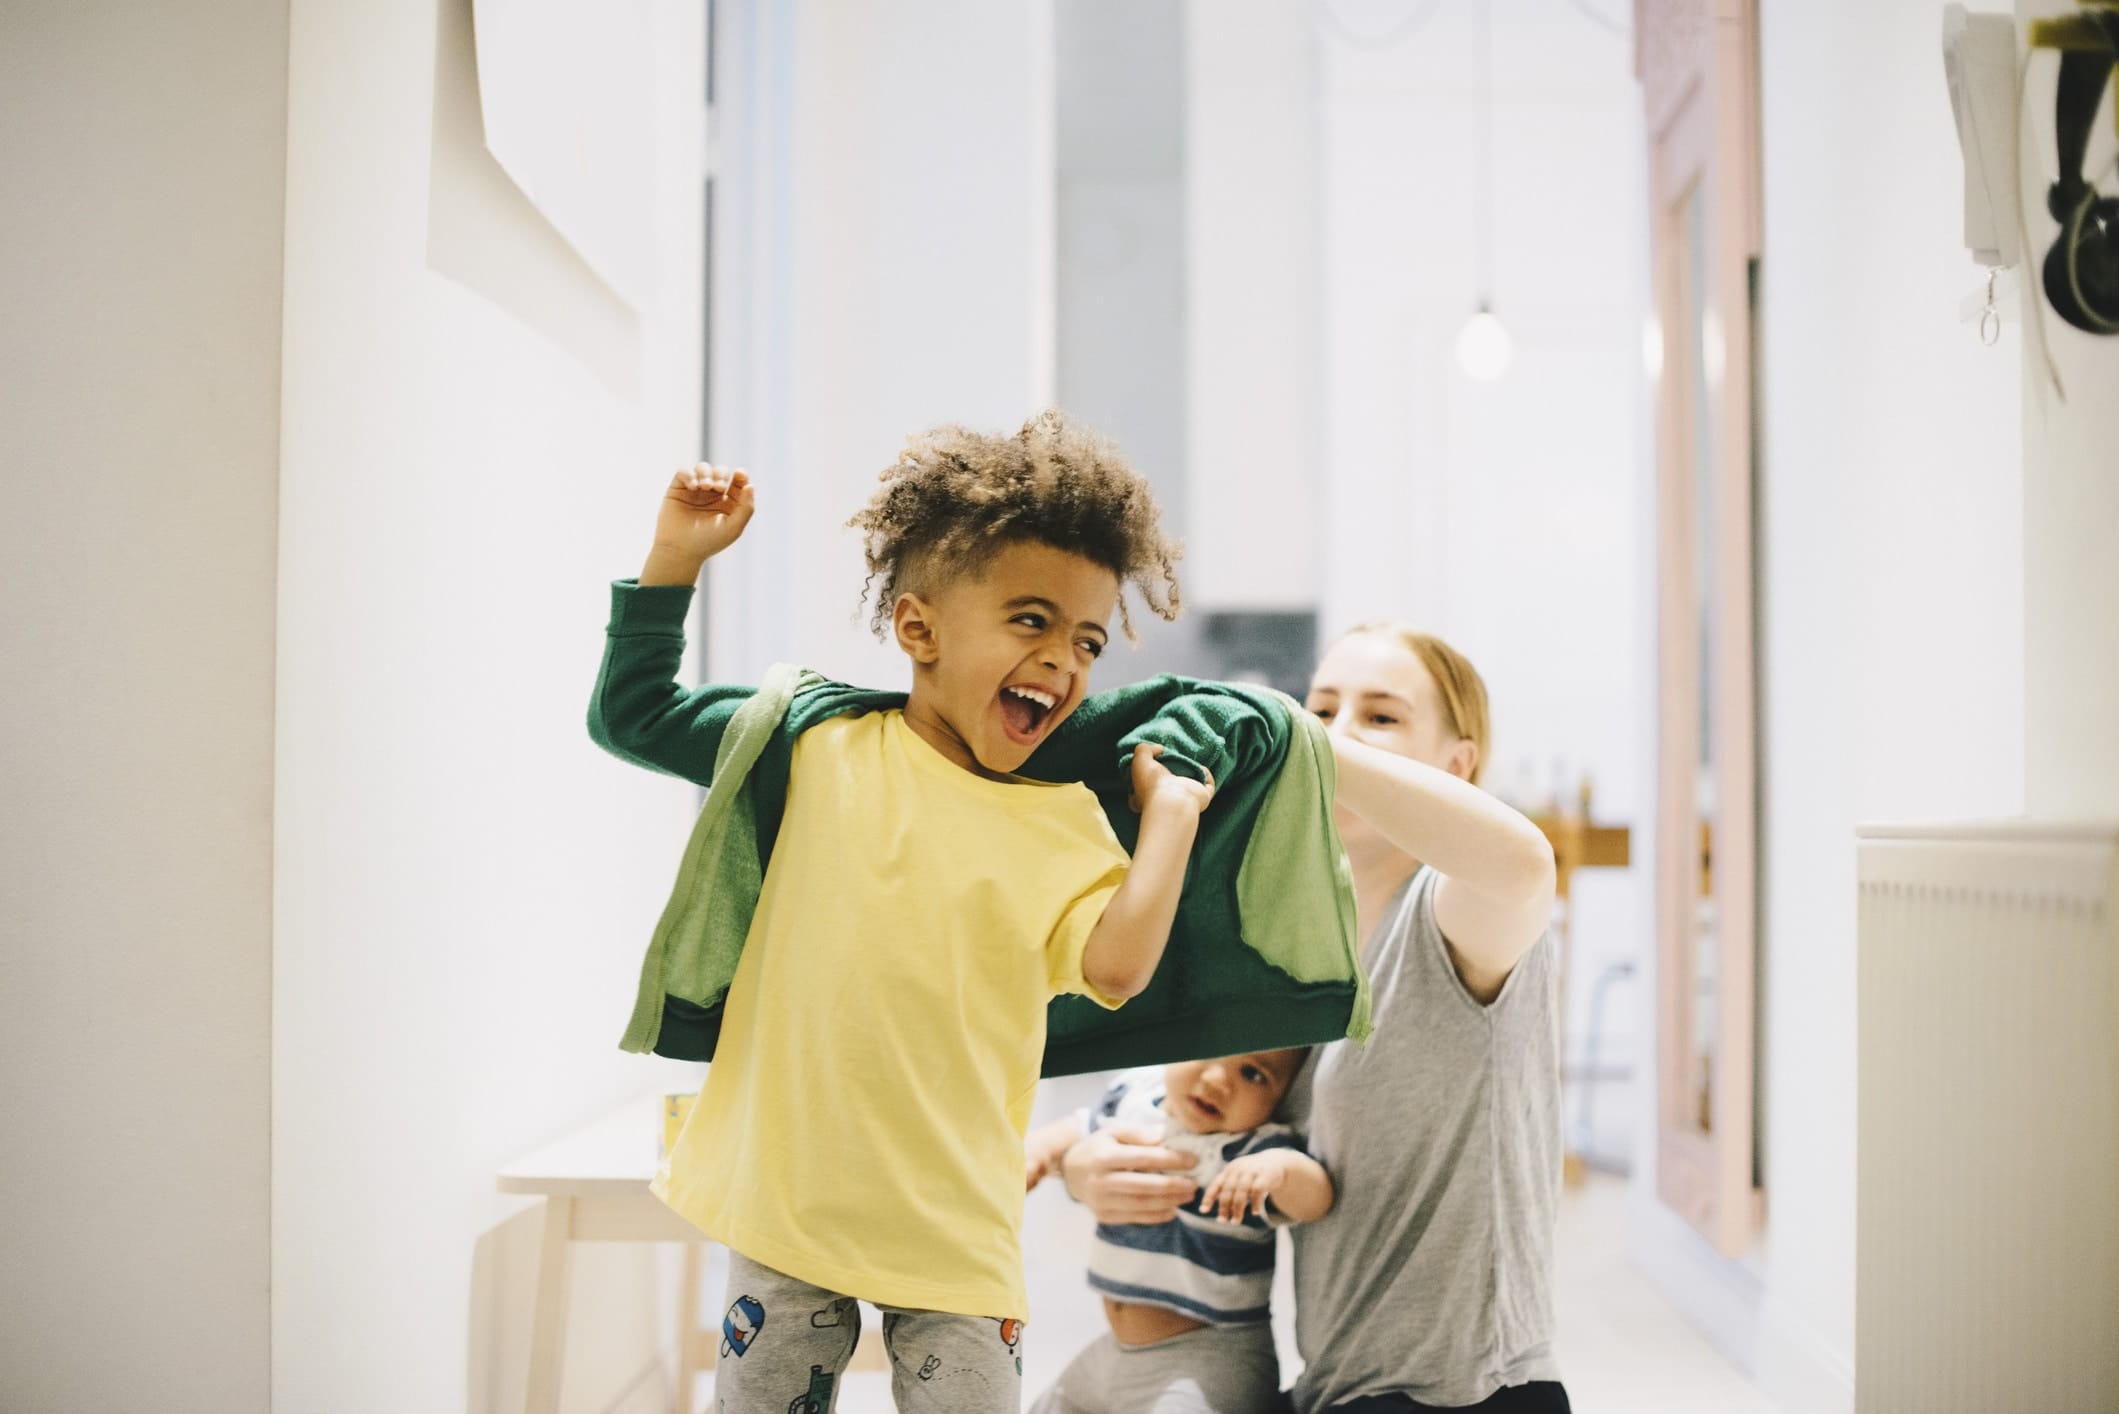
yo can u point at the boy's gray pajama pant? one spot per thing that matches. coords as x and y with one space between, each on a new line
1213 1370
785 1344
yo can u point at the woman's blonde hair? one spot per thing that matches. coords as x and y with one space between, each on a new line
1457 684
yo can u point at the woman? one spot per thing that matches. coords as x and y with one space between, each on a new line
1430 1284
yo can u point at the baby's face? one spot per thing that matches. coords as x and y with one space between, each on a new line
1229 1095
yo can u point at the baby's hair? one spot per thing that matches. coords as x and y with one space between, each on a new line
956 497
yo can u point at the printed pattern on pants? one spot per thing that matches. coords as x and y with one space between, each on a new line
785 1345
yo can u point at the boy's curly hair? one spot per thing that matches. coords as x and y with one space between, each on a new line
956 497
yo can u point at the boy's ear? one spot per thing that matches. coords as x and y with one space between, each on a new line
912 620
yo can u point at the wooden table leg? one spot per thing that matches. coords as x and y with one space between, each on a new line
548 1324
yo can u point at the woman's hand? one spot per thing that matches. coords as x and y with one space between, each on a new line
1124 1175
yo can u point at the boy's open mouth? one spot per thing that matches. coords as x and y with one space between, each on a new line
1203 1108
1024 710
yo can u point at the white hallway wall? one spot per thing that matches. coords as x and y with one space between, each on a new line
474 438
144 163
1252 330
1891 633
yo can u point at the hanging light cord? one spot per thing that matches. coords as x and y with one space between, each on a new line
1483 177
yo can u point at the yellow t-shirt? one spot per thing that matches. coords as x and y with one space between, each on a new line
861 1127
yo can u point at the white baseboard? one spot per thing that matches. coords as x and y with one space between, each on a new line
1722 1299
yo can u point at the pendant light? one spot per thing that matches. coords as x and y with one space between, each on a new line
1484 347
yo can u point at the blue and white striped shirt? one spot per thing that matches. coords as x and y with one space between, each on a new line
1195 1264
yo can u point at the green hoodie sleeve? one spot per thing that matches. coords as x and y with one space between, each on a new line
1211 730
640 712
1203 728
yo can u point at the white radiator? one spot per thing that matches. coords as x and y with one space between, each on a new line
1987 1210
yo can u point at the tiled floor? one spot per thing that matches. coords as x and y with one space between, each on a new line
1621 1347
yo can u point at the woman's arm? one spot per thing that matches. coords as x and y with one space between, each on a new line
1494 898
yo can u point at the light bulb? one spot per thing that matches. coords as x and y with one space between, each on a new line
1483 346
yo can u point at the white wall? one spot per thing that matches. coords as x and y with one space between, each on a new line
1891 637
2070 515
1124 218
1251 308
1120 75
1504 516
471 447
139 352
891 168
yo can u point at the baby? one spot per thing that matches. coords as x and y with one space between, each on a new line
1188 1300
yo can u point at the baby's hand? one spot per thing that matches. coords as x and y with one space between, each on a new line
704 510
1243 1187
1155 784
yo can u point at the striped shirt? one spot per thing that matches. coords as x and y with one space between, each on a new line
1195 1264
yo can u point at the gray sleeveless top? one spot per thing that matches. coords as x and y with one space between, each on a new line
1432 1275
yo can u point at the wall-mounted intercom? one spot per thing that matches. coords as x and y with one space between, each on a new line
1979 56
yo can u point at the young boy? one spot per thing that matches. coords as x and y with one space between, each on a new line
1188 1300
859 1131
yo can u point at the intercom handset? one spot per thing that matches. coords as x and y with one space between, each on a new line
1979 57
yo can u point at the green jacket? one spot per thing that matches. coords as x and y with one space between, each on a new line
1263 953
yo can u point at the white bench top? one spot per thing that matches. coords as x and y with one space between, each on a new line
613 1157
